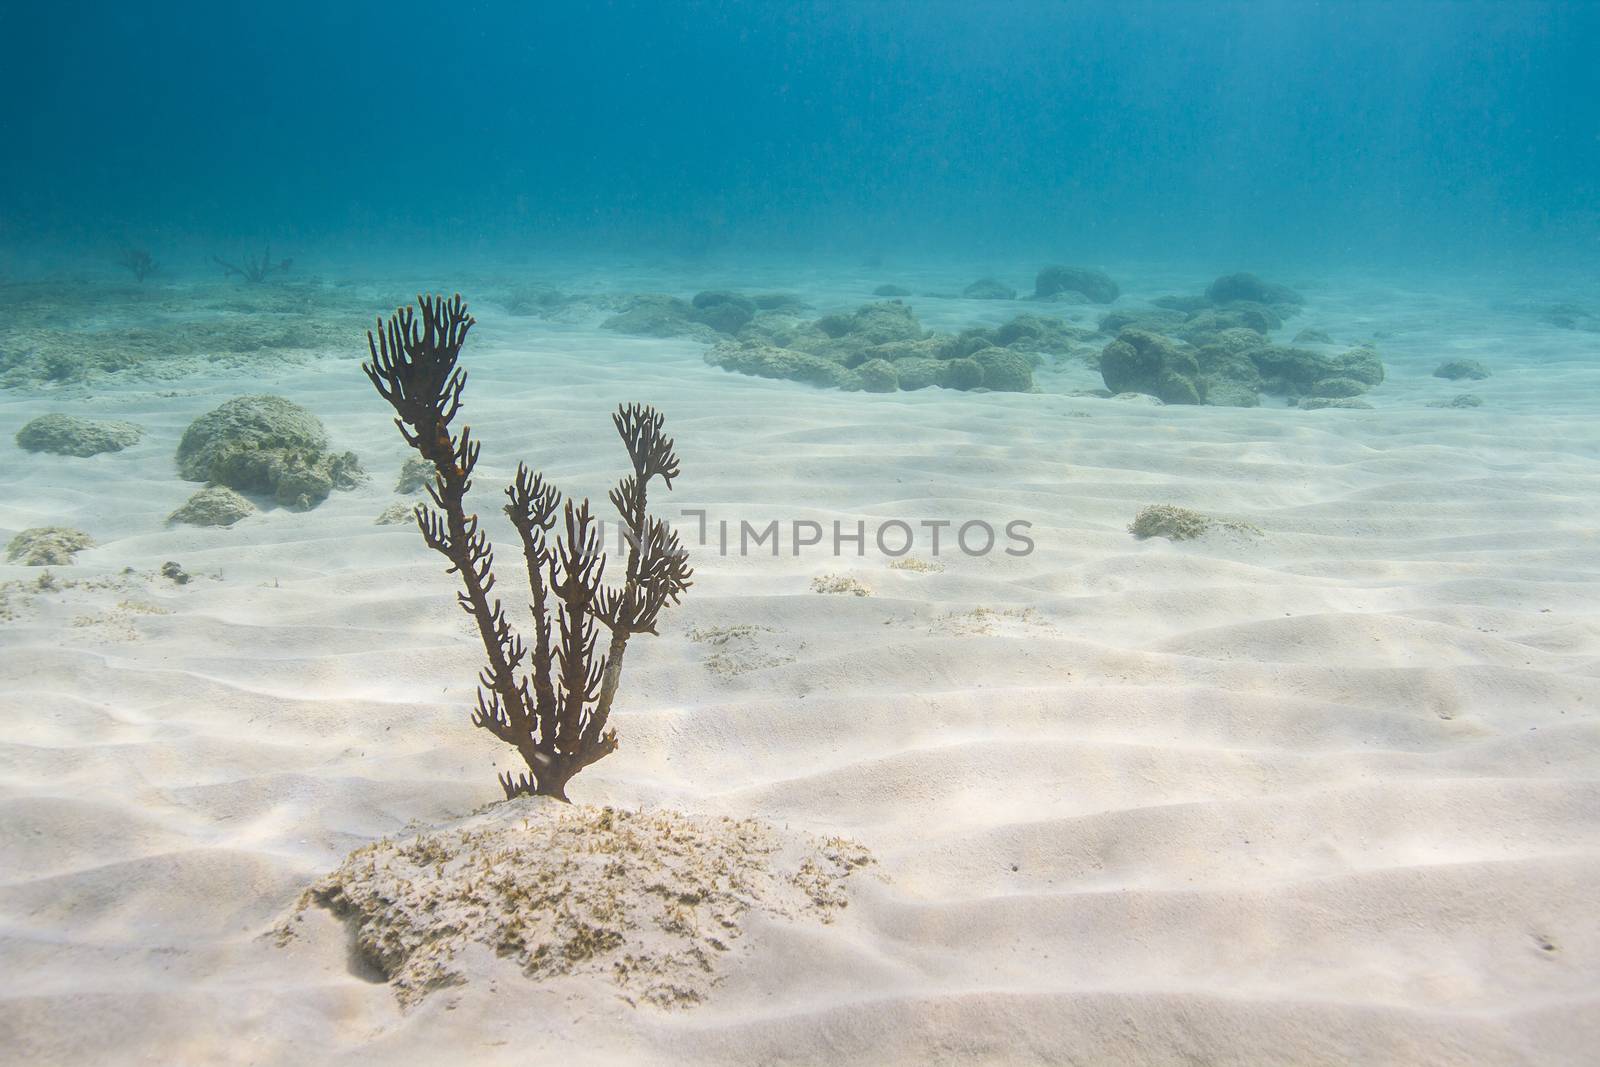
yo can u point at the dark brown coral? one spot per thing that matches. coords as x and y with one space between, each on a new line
137 262
254 270
553 706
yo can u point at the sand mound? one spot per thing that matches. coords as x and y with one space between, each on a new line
653 901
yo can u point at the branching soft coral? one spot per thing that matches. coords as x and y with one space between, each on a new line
251 269
555 705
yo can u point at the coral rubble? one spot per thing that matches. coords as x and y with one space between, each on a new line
654 902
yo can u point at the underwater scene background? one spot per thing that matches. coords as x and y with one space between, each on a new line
1290 132
1105 548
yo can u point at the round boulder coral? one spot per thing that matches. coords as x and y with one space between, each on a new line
660 315
1139 361
1297 372
1060 282
1230 394
1203 326
415 473
873 324
878 376
1157 320
1362 364
1005 371
723 311
767 361
269 445
213 506
1337 388
1244 286
1457 369
989 289
918 373
1036 333
963 373
70 435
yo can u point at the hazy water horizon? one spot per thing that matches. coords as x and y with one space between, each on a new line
1462 136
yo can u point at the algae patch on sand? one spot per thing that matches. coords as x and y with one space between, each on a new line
1182 524
47 546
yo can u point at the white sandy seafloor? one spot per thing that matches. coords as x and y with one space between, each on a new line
1329 794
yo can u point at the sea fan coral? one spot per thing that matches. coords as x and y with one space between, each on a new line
559 725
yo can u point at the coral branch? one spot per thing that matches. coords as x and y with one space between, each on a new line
253 270
138 262
556 711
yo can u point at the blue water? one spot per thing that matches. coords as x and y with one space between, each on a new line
1285 131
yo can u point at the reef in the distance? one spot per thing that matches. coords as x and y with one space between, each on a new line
1216 349
882 347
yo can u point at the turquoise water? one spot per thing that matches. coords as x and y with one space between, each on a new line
1282 134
